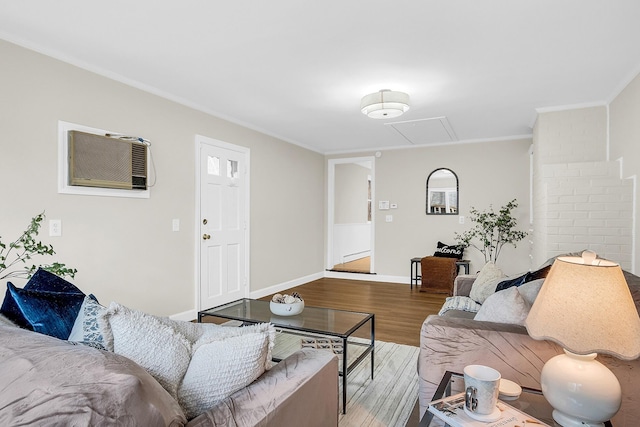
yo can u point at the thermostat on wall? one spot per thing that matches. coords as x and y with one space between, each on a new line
383 205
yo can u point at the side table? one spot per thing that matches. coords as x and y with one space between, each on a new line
415 269
531 401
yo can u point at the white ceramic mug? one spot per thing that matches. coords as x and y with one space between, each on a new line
482 385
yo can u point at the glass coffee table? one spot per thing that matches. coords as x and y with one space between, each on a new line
531 401
353 332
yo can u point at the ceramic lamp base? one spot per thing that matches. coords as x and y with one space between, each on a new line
582 391
569 421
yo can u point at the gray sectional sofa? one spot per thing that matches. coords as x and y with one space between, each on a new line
67 360
46 381
454 340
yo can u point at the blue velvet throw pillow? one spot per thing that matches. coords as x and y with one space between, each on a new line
49 313
521 280
44 280
47 304
517 281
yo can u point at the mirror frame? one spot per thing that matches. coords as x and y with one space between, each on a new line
457 194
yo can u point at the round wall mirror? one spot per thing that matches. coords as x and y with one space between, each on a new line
442 192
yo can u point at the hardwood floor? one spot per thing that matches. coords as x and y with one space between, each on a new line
399 310
362 265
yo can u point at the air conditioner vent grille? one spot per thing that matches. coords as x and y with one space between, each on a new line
139 165
99 161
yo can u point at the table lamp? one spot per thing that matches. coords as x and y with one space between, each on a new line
586 307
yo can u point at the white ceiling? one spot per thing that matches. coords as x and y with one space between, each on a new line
297 69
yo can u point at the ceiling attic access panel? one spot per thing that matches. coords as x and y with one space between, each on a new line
436 130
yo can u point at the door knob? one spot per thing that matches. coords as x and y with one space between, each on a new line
206 236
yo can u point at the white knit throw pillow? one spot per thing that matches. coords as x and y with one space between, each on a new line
222 365
485 284
159 349
199 364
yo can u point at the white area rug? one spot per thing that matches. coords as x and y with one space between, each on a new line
385 401
389 398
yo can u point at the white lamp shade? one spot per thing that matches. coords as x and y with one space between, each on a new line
587 308
385 104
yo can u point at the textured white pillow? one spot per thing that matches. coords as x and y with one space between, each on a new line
530 290
459 303
506 306
222 365
194 331
197 363
486 282
159 349
191 331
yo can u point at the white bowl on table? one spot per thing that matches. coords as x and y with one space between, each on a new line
282 309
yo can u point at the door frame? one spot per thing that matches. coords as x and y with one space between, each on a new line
331 181
201 140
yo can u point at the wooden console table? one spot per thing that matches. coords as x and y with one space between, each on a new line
416 274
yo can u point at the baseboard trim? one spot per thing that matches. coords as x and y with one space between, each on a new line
286 285
186 316
399 280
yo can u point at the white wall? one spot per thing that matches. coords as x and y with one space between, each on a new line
574 135
351 190
125 249
351 231
351 242
624 144
489 173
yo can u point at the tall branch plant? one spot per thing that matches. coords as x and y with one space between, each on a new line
16 256
492 231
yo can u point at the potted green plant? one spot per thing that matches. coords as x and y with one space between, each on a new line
492 231
15 257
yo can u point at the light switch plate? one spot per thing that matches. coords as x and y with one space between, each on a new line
389 218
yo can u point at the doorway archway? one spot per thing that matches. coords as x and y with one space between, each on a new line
350 216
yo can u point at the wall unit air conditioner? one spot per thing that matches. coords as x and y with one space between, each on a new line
105 162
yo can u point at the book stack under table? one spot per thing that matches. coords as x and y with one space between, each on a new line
451 410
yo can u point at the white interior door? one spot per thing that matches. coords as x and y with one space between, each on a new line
223 224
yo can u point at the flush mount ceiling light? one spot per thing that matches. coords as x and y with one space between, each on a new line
385 104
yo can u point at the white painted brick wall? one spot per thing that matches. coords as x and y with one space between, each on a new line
572 135
589 210
580 201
